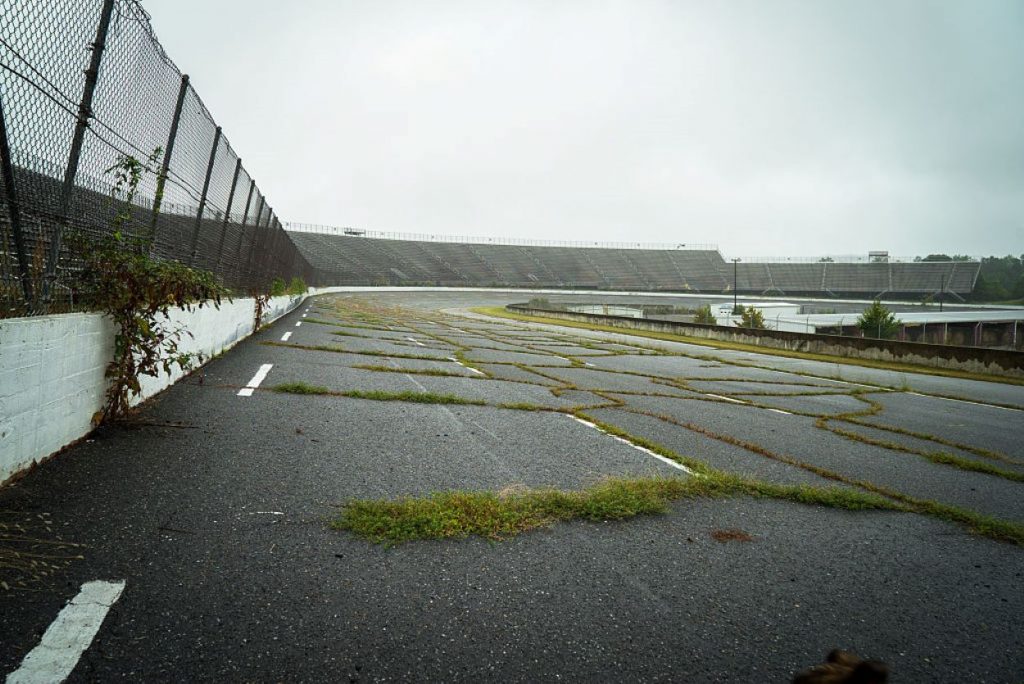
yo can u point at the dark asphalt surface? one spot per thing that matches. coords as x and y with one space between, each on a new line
213 511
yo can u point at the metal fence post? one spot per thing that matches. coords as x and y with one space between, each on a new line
227 213
268 249
11 191
255 236
202 199
262 267
75 155
241 230
165 165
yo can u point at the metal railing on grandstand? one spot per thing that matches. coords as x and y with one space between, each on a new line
478 240
84 84
841 259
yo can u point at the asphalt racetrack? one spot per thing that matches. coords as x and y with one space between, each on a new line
212 508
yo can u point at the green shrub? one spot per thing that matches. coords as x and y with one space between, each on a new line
752 318
704 315
297 286
277 287
878 322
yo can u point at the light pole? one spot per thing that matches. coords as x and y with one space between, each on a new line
735 280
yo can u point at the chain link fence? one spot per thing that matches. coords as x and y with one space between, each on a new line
83 84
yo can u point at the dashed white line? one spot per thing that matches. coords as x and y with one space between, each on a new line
284 338
415 341
67 637
785 413
663 459
962 401
260 376
469 368
719 396
303 315
858 384
298 323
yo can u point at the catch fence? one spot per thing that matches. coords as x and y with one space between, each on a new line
85 84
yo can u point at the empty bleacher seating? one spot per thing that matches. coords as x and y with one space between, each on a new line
360 260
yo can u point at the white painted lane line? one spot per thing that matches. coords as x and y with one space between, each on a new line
963 401
469 368
284 338
661 458
415 341
719 396
298 323
67 637
785 413
303 315
260 376
858 384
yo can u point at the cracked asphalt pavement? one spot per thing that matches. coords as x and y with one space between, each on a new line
213 508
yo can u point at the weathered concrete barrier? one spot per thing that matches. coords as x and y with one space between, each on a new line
52 371
999 362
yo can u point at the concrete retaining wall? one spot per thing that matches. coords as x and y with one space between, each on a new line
51 371
970 359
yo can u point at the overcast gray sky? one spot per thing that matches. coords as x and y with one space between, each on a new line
767 127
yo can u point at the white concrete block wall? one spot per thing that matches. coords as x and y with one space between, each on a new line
51 371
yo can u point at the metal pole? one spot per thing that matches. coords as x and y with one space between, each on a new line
735 281
202 198
165 165
241 230
74 156
255 236
942 290
227 213
14 208
265 259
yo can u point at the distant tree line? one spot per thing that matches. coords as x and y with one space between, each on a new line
1000 278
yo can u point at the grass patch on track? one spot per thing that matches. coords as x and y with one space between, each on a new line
500 515
501 312
342 350
438 372
300 388
376 395
414 397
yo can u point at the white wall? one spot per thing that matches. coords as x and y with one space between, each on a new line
51 371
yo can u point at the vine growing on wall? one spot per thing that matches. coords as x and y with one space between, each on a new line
137 293
260 301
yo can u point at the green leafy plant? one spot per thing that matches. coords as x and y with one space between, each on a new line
278 287
703 315
297 286
878 322
752 318
137 292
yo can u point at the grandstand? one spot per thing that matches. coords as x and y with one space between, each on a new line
347 257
